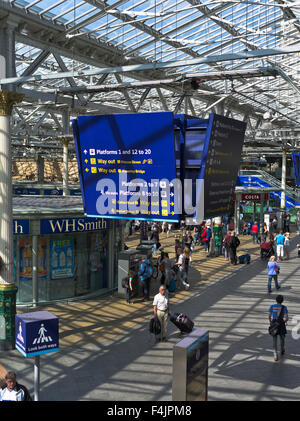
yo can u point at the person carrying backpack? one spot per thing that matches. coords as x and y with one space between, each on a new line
145 274
278 313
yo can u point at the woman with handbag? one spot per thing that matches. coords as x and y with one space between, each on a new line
273 272
278 317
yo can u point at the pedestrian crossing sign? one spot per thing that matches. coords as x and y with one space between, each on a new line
37 333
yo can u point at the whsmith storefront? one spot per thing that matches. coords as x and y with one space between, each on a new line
59 253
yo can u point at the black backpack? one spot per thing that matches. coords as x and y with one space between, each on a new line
154 326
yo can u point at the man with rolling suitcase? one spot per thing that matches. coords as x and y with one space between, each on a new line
161 311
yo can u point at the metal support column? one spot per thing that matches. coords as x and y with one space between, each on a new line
7 287
65 141
261 213
237 213
283 179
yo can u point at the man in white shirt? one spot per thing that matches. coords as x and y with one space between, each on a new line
161 311
13 391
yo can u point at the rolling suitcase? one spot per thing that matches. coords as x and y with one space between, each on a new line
184 324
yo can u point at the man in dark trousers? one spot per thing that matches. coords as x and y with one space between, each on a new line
233 245
13 391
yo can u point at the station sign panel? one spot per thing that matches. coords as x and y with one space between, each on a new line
71 225
220 163
126 165
37 333
21 226
253 197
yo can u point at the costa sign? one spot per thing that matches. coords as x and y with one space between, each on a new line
252 197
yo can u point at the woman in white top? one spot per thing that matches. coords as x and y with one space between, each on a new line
287 245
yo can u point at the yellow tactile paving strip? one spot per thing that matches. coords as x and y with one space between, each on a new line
103 319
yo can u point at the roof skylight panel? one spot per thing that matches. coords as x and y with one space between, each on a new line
133 40
68 7
81 13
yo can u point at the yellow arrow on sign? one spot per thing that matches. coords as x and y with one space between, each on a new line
87 170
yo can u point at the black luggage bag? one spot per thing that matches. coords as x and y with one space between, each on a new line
184 324
245 258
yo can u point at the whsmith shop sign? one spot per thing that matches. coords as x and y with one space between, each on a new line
70 225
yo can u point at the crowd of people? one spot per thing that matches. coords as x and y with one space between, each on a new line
274 244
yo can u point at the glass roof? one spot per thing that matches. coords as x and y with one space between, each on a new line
155 31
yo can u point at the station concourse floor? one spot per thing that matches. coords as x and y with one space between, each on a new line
107 353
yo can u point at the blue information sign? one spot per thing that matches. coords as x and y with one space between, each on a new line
37 333
126 165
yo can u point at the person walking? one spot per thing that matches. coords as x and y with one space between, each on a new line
166 262
127 283
161 311
274 224
265 232
254 233
183 264
178 249
188 239
145 274
155 237
279 241
287 245
273 271
280 313
12 390
197 230
206 236
298 221
226 244
234 243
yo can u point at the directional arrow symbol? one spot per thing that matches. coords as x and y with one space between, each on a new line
85 151
173 213
172 203
86 161
87 170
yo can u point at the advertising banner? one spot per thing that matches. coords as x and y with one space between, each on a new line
62 258
26 259
126 162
